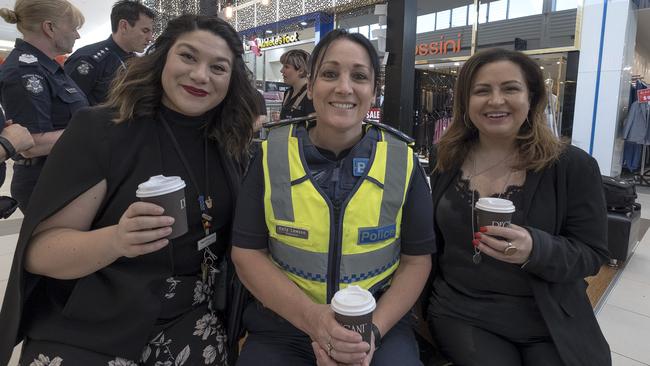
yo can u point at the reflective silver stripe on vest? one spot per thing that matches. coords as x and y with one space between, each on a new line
277 147
394 181
354 267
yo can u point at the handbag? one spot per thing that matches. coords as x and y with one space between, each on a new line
620 194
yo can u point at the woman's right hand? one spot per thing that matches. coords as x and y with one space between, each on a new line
142 230
345 346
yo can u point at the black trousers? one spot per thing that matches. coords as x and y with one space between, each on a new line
468 345
23 182
273 341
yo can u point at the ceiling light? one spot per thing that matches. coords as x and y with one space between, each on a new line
228 12
541 67
456 63
558 62
268 31
303 23
432 66
266 2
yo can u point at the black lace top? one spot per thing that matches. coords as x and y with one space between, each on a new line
493 295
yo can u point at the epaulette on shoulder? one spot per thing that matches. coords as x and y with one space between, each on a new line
392 130
100 54
284 122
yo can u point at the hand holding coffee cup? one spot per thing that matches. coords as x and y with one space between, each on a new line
500 238
142 229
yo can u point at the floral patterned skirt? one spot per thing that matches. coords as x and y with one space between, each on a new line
189 332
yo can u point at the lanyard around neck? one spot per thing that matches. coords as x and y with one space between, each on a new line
204 203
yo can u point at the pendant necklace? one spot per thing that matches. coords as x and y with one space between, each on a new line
477 258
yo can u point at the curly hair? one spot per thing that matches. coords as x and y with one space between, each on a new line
537 145
137 91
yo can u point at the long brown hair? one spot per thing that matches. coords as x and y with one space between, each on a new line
137 91
537 145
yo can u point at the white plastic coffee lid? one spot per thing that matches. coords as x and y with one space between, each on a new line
353 301
493 204
159 185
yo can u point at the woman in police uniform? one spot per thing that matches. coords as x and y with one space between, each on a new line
309 197
34 90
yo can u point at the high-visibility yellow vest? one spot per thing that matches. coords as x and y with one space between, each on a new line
319 255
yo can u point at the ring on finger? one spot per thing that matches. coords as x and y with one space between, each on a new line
330 348
510 249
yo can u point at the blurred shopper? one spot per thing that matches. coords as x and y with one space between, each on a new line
514 295
307 199
34 90
294 71
95 280
93 67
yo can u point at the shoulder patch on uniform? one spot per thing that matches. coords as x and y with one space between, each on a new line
84 68
33 83
27 58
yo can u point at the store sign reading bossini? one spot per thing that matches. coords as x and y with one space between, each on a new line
278 40
441 47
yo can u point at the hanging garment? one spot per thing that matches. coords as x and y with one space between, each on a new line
635 127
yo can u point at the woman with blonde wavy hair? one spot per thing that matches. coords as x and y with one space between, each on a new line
34 89
514 294
101 278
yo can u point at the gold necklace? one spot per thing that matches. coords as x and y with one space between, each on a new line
476 258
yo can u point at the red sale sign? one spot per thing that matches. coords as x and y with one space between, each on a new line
374 114
643 95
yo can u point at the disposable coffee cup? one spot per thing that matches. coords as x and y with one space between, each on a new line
353 307
168 193
492 211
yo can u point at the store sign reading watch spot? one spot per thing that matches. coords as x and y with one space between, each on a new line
279 40
441 47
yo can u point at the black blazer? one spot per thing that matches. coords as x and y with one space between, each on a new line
565 213
112 310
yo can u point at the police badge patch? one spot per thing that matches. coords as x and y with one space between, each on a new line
33 83
83 68
27 58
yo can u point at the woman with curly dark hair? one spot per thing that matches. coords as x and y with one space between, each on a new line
97 277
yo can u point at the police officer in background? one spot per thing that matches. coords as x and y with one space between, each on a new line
34 90
92 67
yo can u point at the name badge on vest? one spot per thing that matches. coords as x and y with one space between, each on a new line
359 166
292 231
372 235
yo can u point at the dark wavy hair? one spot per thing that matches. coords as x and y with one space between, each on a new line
137 91
323 45
538 147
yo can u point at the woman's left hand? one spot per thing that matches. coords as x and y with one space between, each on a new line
514 246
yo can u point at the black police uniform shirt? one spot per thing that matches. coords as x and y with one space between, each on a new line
291 109
93 67
36 92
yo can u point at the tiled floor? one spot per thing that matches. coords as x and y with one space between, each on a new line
624 314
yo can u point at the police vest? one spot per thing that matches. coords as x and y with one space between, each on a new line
319 252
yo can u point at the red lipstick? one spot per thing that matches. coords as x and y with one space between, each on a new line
195 91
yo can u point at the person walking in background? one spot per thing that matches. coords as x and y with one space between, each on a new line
93 67
35 92
309 197
294 71
95 278
514 295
